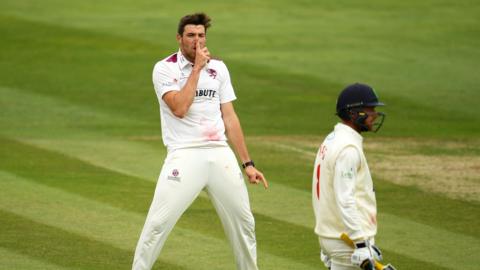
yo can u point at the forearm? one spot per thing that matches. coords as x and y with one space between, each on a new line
235 136
182 100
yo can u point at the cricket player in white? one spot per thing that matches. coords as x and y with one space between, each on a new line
342 190
197 116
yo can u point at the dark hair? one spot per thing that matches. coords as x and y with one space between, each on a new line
195 19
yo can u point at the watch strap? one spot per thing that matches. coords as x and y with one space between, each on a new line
248 163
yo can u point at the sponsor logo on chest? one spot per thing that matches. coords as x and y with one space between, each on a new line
206 93
208 84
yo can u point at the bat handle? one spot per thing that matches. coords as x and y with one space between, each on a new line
348 241
379 266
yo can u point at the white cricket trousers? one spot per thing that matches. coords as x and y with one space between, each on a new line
184 174
339 252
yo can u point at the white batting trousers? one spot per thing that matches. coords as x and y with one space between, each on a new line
339 252
184 174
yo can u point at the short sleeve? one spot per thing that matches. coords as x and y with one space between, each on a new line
227 93
164 79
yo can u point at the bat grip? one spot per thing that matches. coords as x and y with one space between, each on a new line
349 242
378 266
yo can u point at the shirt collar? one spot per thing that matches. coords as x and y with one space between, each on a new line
344 128
182 61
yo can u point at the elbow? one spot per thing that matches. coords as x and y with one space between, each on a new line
179 113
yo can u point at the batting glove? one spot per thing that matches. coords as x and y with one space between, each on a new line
362 256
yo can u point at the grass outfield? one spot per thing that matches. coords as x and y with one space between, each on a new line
80 145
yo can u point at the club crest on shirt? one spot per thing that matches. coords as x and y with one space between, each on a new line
212 73
348 174
174 175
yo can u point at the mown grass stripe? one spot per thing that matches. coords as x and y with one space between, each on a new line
72 175
113 226
428 243
101 155
68 53
69 211
393 199
59 246
56 170
12 260
80 66
102 223
303 185
394 232
31 114
274 236
292 241
86 183
183 243
455 216
300 205
136 159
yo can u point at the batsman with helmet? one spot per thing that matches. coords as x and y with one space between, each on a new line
342 190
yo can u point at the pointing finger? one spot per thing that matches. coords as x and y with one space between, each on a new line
261 178
264 181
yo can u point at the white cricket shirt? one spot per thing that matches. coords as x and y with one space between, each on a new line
342 192
203 124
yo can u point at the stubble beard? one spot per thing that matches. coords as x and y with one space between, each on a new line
190 55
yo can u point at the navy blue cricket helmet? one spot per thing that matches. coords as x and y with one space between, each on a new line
357 95
353 99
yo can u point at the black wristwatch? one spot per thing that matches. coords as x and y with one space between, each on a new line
248 163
